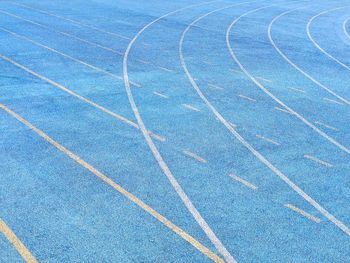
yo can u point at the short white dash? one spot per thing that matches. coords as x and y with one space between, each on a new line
157 137
297 90
212 86
303 213
246 98
319 161
232 124
143 61
160 95
263 79
333 101
194 156
135 84
190 107
326 126
242 181
236 71
267 139
283 110
166 69
207 62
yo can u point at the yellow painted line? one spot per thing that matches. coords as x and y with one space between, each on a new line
181 233
13 239
101 108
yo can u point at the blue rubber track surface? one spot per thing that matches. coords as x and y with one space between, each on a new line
231 119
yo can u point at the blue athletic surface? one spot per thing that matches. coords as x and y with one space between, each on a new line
248 105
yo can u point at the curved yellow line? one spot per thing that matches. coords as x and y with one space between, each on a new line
13 239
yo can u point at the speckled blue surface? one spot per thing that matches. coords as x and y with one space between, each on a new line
64 213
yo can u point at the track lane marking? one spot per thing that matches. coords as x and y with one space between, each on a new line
263 79
162 164
194 156
344 28
303 213
215 87
16 242
161 95
177 230
333 101
267 139
59 86
257 154
283 110
297 90
317 160
246 98
244 182
326 126
190 107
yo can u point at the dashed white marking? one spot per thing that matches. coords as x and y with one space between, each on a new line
242 181
303 213
160 95
143 61
263 79
246 98
283 110
232 124
207 62
319 161
190 107
267 139
157 137
333 101
194 156
166 69
212 86
298 90
236 71
326 125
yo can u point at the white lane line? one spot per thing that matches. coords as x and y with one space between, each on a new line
283 110
316 44
246 98
244 182
263 79
207 62
166 69
232 124
74 21
297 90
190 107
267 139
143 61
162 164
326 126
303 213
160 95
236 71
344 28
212 86
333 101
319 161
63 33
194 156
257 154
319 84
67 56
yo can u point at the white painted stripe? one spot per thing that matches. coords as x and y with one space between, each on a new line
244 182
344 28
297 67
194 156
207 62
74 21
215 86
319 161
283 110
267 139
190 107
162 164
326 126
316 44
333 101
273 168
135 84
160 95
236 71
263 79
298 90
143 61
166 69
232 124
246 98
303 213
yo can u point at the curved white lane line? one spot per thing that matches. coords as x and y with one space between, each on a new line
316 44
344 28
264 89
297 67
257 154
162 164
